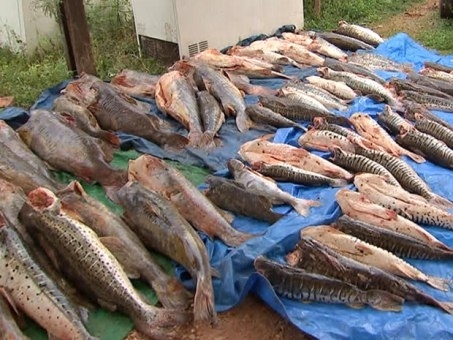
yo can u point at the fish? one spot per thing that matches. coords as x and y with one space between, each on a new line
304 39
320 123
378 62
366 253
296 283
402 84
290 173
438 84
315 257
225 92
229 195
154 174
262 115
265 55
397 243
324 140
434 129
412 108
84 119
80 91
261 185
436 74
19 172
324 97
344 42
427 146
392 121
116 111
298 110
300 97
359 32
370 129
135 83
69 149
413 207
162 228
10 139
357 164
356 205
437 66
211 116
176 97
122 242
95 268
429 101
9 330
33 292
242 82
325 48
363 85
405 175
337 88
275 153
353 68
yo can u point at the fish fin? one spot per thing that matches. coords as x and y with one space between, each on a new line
292 258
384 301
157 323
174 142
72 213
9 299
106 149
215 273
356 305
376 98
439 283
117 247
416 158
206 141
301 206
111 307
121 79
110 138
339 182
227 215
173 294
243 122
237 238
204 308
441 202
446 306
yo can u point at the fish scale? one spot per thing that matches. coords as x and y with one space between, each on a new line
392 121
435 129
376 61
323 96
429 101
359 32
427 145
299 284
360 163
324 140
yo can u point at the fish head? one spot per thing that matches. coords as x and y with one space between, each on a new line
347 195
361 121
235 166
292 258
42 199
25 134
127 191
261 264
146 167
324 71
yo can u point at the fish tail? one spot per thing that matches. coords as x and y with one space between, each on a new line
439 200
446 306
173 294
174 141
384 301
339 182
113 182
207 141
236 239
204 308
438 283
303 206
110 137
416 158
157 322
243 122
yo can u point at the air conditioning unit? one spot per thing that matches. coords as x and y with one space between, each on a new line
170 29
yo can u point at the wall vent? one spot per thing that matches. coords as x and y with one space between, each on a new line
197 47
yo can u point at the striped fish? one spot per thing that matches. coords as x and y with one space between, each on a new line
434 129
392 121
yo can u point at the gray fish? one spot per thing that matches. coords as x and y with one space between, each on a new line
429 101
363 85
437 66
229 195
359 163
289 173
353 68
337 89
402 84
364 34
397 243
242 82
136 83
162 228
10 139
84 119
405 175
315 257
299 112
296 283
262 115
392 121
9 330
436 74
428 146
33 292
377 62
411 109
122 242
438 84
95 268
434 129
211 115
345 42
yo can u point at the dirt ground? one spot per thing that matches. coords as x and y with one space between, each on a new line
253 319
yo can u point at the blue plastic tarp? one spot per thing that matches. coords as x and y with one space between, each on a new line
238 277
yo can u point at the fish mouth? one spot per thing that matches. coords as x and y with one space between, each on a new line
42 199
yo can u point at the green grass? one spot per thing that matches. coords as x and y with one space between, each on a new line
439 36
353 11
